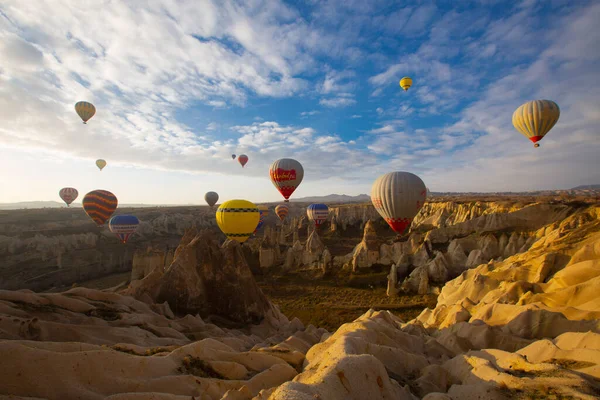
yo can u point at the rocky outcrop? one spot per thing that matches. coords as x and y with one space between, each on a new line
207 279
53 248
366 253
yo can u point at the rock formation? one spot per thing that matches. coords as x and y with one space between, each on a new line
207 279
527 326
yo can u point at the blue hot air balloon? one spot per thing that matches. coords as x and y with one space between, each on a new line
123 226
317 213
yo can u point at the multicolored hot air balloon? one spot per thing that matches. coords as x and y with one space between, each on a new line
264 211
282 211
233 156
99 205
100 163
534 119
68 195
405 83
286 174
123 226
85 110
243 159
211 198
398 197
317 213
238 219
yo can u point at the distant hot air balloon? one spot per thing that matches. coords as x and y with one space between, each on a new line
282 211
100 163
123 226
263 211
535 118
405 83
68 195
233 156
243 159
238 219
211 198
99 205
317 213
398 197
286 174
85 110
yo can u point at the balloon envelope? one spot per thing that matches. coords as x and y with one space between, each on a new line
282 211
211 198
317 213
100 164
238 219
286 174
85 110
243 159
233 156
263 211
99 205
123 226
405 83
398 197
534 119
68 194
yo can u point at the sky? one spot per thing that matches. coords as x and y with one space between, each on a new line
179 86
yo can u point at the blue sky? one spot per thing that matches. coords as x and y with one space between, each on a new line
181 85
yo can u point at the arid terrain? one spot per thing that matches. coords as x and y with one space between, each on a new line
481 299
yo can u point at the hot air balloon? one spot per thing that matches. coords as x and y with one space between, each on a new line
237 219
211 198
99 205
233 156
286 174
317 213
100 163
263 211
282 211
398 197
535 118
85 110
123 226
243 159
68 195
405 83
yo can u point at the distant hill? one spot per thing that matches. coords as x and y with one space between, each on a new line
56 204
587 187
334 198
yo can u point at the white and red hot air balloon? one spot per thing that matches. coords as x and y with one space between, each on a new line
68 195
286 174
398 197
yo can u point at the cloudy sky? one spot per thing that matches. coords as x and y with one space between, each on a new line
181 85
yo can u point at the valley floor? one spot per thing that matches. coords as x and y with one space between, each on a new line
327 303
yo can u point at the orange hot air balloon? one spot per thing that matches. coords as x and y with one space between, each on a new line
99 205
282 211
243 159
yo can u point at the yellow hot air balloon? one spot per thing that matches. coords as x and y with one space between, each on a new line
85 110
535 118
238 219
100 163
405 83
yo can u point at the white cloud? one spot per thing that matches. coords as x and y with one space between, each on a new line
342 100
212 126
355 116
309 113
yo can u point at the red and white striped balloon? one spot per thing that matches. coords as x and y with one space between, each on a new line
68 195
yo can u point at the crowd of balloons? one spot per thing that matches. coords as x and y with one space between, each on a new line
397 196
